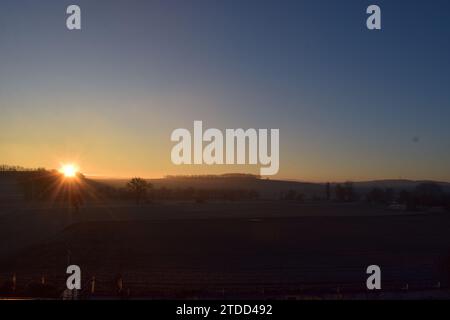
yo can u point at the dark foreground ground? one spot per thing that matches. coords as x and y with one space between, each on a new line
191 250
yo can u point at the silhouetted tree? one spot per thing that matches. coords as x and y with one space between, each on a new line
378 195
345 193
429 194
424 195
340 192
349 191
290 195
138 187
389 195
404 196
328 191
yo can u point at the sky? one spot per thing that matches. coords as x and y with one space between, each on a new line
350 103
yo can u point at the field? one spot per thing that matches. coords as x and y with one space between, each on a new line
225 249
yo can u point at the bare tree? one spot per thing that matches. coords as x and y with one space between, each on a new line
138 187
328 191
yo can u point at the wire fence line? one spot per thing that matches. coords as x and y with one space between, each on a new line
118 287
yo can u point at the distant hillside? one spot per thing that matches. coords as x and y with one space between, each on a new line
18 184
10 176
397 184
9 188
265 187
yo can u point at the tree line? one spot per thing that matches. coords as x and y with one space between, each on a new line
142 191
426 194
44 185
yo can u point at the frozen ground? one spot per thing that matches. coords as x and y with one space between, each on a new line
232 247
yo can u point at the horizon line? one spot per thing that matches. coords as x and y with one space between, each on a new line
272 178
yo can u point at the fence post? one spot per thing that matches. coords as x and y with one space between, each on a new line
93 285
14 281
119 284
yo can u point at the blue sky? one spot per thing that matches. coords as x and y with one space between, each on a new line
350 103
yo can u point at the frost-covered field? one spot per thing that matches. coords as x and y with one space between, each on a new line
251 247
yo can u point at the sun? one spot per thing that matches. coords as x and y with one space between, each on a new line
69 170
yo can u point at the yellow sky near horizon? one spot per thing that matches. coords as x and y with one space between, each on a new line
104 142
